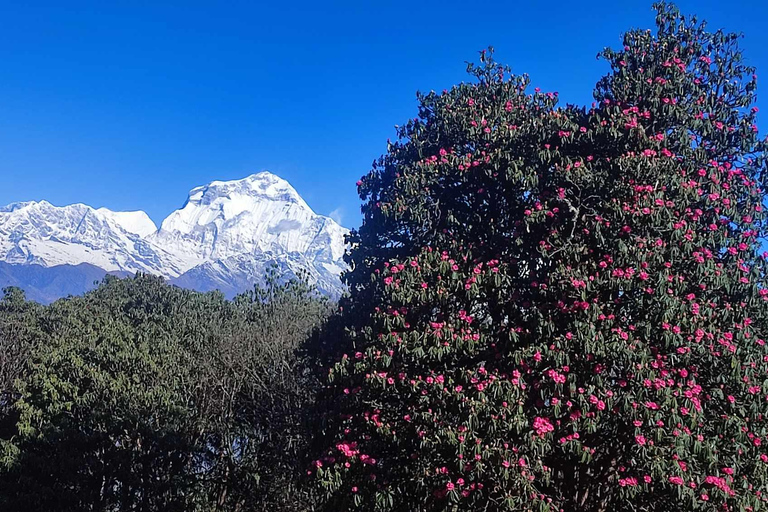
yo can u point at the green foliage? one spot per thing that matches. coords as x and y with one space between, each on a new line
551 308
144 396
561 308
17 332
18 329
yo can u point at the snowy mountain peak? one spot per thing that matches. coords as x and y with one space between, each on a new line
137 222
263 185
16 206
37 232
221 201
225 235
261 212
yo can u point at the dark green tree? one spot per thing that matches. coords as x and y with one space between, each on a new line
103 423
561 308
18 330
264 416
143 396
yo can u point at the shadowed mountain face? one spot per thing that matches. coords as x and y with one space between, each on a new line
46 284
225 237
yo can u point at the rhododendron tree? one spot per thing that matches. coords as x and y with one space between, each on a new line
562 308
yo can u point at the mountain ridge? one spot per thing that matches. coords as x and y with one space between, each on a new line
225 233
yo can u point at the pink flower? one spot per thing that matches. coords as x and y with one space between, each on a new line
676 480
629 481
542 426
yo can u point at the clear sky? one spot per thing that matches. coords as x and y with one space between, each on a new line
129 105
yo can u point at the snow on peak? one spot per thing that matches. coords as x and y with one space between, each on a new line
41 233
261 212
16 206
225 231
263 184
221 201
137 222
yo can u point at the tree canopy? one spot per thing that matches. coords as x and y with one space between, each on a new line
144 396
559 307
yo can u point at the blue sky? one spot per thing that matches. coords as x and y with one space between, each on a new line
129 105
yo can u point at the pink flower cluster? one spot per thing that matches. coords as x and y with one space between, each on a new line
542 426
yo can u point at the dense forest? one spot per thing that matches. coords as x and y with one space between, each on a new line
549 308
144 396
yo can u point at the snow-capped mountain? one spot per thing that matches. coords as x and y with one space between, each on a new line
40 233
258 214
137 222
224 237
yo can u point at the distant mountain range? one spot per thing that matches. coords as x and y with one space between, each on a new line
225 237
